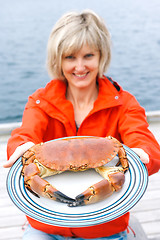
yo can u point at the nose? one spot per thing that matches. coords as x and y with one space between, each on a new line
80 65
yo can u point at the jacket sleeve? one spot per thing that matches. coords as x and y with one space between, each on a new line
133 128
34 124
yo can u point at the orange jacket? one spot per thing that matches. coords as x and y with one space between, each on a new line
48 115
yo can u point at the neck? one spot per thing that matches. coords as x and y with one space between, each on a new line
80 98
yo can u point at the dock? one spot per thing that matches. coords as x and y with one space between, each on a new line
147 210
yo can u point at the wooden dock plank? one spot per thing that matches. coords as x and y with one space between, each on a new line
11 233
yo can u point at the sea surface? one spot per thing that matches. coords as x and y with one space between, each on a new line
24 30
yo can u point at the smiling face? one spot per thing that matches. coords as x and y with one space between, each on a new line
80 69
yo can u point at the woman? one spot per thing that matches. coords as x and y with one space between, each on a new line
82 101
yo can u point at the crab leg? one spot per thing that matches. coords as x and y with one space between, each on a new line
114 180
121 154
37 185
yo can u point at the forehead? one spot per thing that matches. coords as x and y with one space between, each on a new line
84 49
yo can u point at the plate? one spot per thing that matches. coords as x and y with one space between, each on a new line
71 183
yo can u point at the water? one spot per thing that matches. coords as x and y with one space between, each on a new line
24 30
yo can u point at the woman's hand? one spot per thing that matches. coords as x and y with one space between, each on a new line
18 153
142 154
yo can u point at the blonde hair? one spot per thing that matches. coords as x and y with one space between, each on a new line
70 33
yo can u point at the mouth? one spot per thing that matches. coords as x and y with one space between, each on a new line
80 75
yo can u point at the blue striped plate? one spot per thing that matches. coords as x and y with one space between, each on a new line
71 183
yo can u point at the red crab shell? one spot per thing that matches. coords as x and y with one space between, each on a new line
76 154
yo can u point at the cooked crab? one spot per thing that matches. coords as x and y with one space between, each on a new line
75 154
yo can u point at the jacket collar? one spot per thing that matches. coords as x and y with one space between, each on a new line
53 101
55 92
59 107
108 96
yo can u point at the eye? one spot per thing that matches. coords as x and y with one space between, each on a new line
69 57
89 55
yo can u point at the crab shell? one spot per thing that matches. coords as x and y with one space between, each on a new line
76 154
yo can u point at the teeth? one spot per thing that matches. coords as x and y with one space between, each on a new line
83 75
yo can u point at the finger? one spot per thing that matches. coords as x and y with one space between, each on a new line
10 162
13 158
142 154
17 154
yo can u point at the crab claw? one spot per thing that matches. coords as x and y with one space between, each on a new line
38 186
94 193
103 189
61 197
41 187
56 195
45 189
